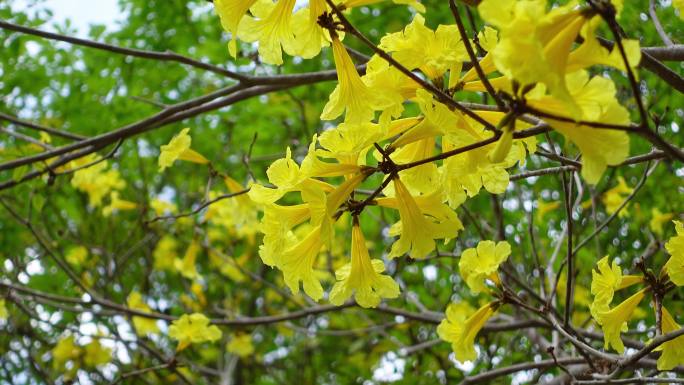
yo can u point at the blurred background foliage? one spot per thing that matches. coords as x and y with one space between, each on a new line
89 92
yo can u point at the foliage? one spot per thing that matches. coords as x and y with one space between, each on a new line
465 191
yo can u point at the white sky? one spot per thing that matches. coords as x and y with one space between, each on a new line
82 13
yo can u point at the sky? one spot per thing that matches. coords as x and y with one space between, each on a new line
82 13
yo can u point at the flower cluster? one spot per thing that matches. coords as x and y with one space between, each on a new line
608 279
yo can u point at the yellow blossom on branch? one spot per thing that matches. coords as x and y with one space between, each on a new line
179 148
461 329
193 329
675 247
143 325
481 263
672 352
362 276
614 321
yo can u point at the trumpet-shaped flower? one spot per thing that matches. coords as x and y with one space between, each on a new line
679 5
481 263
94 354
297 263
96 180
186 266
595 98
613 321
658 219
236 213
544 208
433 52
418 231
545 37
672 352
591 52
309 36
66 350
391 87
193 329
362 277
284 173
349 143
605 281
276 225
615 196
179 148
142 325
271 26
165 253
231 13
312 166
675 246
351 93
3 310
117 204
461 331
77 255
241 344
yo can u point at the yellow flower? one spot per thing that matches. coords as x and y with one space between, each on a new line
193 329
142 325
614 197
362 276
65 351
164 253
77 255
297 264
241 345
351 93
117 204
605 281
161 207
231 13
461 331
349 143
675 247
276 224
94 354
284 174
591 52
545 207
673 350
472 170
679 6
433 52
96 180
596 100
613 321
309 36
658 219
418 231
272 28
236 213
312 166
545 38
179 148
186 266
481 263
3 310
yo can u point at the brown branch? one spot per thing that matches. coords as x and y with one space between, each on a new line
49 130
473 57
200 207
155 55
